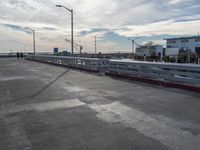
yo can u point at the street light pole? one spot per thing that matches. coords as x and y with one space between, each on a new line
72 26
81 47
34 42
33 38
95 44
72 31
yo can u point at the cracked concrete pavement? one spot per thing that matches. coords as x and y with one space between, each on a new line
44 107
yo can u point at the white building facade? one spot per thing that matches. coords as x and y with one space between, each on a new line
183 43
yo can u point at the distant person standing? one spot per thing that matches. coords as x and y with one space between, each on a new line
17 55
21 55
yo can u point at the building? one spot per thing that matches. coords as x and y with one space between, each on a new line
183 44
55 51
149 50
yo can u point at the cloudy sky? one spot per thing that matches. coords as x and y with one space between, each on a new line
112 21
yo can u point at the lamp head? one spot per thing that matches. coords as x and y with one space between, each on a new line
58 5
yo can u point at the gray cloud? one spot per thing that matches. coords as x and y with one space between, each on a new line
49 28
16 28
127 18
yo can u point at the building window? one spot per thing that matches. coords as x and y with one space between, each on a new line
171 41
184 41
197 40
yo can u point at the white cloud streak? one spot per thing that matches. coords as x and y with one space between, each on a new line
170 27
127 18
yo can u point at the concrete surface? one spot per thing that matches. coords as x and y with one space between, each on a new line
44 107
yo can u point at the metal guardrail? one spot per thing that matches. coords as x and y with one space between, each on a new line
182 73
91 64
7 55
188 74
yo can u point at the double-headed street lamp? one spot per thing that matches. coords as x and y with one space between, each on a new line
72 32
33 38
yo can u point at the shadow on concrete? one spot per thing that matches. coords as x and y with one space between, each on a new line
42 89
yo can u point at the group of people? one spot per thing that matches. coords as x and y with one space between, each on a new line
20 55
